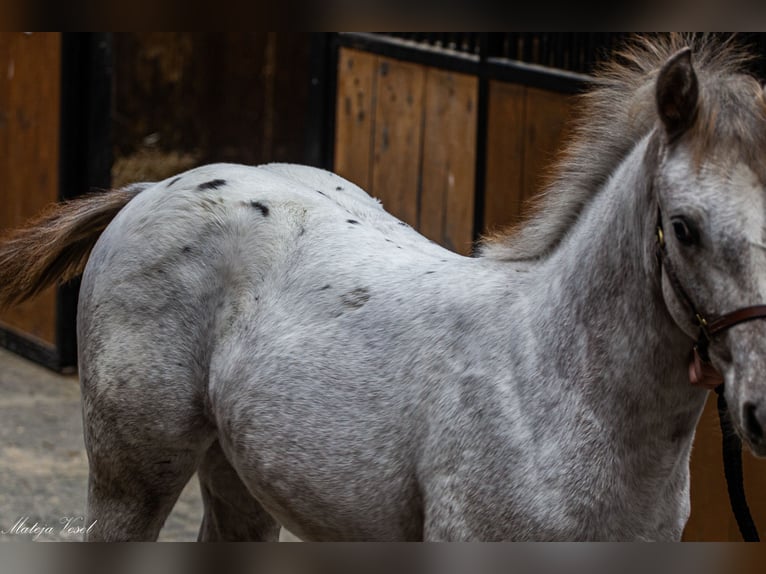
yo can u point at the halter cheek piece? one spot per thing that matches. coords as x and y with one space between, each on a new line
702 373
701 370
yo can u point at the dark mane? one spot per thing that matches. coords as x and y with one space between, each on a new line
618 112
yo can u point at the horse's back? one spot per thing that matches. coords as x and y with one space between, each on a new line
198 250
189 251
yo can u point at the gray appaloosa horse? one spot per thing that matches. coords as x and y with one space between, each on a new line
324 367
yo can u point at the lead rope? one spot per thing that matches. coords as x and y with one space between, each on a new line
732 468
731 444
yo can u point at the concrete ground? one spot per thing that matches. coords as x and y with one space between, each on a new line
43 466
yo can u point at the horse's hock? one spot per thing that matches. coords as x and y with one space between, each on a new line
452 133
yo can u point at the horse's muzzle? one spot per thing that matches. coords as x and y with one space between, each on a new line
745 385
753 421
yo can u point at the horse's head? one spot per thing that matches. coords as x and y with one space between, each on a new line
710 184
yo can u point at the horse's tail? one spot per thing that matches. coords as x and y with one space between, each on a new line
54 247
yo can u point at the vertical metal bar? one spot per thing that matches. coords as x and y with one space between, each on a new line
557 60
591 48
85 159
487 46
535 57
320 129
761 70
454 41
504 49
545 48
526 55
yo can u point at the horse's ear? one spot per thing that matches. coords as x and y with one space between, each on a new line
677 93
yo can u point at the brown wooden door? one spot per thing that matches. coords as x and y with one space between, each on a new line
525 130
54 144
30 111
406 134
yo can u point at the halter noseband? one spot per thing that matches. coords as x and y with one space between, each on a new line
701 370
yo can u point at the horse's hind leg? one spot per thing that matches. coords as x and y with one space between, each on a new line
142 450
231 512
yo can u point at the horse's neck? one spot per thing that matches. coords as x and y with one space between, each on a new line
603 296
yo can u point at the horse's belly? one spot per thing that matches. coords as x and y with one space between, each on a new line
318 498
324 469
313 515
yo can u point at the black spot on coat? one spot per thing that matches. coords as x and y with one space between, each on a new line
260 207
212 184
352 221
174 181
356 298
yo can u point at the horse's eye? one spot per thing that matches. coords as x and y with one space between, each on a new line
684 230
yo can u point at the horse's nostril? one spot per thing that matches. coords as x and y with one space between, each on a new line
750 418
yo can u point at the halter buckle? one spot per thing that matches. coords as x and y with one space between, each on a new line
702 373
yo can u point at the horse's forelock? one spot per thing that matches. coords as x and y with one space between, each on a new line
619 111
731 122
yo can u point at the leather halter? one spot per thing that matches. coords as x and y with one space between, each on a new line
701 370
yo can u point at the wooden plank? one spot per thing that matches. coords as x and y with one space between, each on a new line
354 116
754 470
546 117
711 516
504 195
449 160
30 97
525 130
397 136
